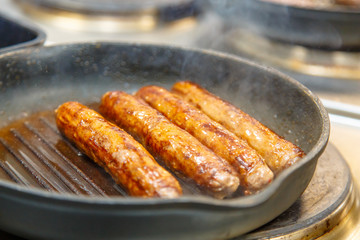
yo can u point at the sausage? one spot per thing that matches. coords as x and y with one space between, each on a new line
277 152
126 160
179 151
254 174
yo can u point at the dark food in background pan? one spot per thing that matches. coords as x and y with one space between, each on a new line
278 153
254 174
178 149
303 3
317 3
352 3
117 152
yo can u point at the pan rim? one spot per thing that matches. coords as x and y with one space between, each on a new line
234 203
38 40
338 9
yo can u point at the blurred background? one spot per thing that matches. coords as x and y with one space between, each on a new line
317 42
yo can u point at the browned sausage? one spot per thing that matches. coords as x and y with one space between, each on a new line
277 152
180 151
253 172
126 160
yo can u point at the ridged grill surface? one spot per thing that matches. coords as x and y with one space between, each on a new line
33 153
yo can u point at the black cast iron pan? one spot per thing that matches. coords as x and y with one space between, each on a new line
48 190
333 28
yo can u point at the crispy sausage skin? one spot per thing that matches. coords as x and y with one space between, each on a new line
126 160
254 174
277 152
180 151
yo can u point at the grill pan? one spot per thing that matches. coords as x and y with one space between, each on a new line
49 190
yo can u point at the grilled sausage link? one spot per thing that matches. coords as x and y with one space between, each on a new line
277 152
254 174
181 152
126 160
